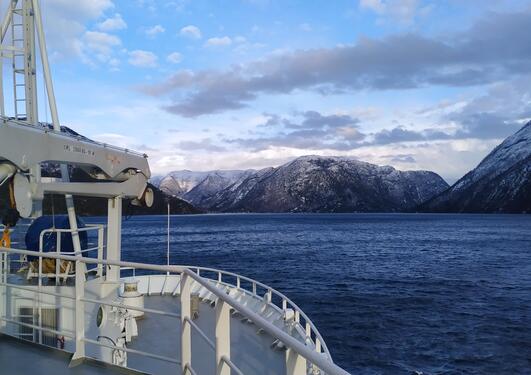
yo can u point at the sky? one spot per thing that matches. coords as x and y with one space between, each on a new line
237 84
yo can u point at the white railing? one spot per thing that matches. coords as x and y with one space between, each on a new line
317 361
100 247
310 331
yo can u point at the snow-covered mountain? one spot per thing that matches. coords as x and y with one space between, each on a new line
500 183
321 184
180 183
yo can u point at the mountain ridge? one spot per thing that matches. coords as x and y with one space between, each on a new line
501 182
314 183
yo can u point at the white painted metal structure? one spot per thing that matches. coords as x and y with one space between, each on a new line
153 318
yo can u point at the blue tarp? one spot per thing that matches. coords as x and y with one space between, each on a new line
50 239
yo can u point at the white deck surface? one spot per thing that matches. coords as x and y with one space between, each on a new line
18 357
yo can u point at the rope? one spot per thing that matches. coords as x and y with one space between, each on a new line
12 201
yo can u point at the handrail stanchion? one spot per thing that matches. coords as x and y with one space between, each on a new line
222 337
79 314
100 249
186 313
58 261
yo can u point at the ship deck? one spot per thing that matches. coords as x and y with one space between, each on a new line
22 357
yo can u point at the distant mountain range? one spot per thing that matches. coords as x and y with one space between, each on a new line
500 183
306 184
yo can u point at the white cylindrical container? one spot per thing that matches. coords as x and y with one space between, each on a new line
132 297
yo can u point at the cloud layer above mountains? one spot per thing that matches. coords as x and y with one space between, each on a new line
481 55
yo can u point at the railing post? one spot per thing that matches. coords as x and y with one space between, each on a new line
100 249
79 315
114 239
57 261
295 363
222 337
186 330
3 289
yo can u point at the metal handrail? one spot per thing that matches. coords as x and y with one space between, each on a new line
288 302
189 368
90 227
231 365
318 359
279 294
201 333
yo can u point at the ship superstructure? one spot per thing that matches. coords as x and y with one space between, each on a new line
72 293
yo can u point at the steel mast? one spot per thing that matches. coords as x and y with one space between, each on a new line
24 19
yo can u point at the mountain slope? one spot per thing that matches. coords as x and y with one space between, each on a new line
327 184
213 183
500 183
179 183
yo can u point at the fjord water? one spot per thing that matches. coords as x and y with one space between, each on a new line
390 293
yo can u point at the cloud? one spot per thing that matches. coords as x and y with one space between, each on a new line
403 158
80 8
497 113
154 31
64 24
218 41
202 145
174 58
401 134
312 131
191 31
112 24
479 56
100 44
178 5
400 10
143 59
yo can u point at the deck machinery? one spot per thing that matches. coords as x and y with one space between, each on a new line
138 317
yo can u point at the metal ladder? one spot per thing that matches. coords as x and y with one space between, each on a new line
19 58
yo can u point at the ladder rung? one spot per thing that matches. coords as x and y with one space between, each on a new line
18 40
21 100
20 84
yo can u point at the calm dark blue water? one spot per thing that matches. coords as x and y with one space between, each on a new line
390 293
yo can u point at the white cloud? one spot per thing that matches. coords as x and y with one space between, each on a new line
99 44
191 31
142 59
178 5
118 140
401 10
174 57
153 31
375 5
219 41
114 23
79 8
64 24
